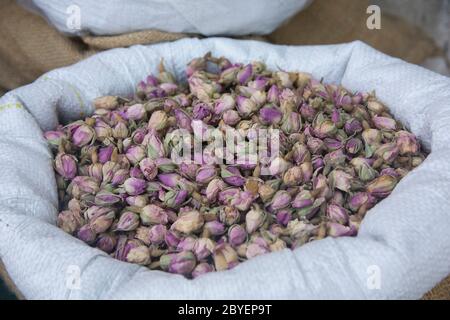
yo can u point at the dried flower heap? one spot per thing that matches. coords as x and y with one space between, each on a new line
121 190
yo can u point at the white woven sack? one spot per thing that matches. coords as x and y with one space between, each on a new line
402 250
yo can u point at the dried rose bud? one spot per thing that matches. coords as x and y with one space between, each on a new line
119 177
203 248
340 180
336 230
120 131
205 174
179 263
102 130
214 228
170 180
214 187
101 222
70 221
189 222
188 170
66 165
175 198
55 137
106 102
254 219
225 257
95 170
337 214
86 234
354 146
231 117
165 165
257 248
229 215
108 171
202 268
134 186
232 176
352 126
364 169
135 112
359 200
86 184
376 107
406 143
82 135
388 152
128 221
302 200
384 123
245 74
268 189
246 106
284 216
187 244
135 172
279 166
106 242
315 145
157 234
155 148
300 153
152 214
227 195
270 115
236 235
291 122
382 186
139 255
158 120
135 154
280 200
293 176
106 198
335 158
332 144
148 168
242 201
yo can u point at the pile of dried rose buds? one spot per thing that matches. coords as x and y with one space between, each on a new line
123 190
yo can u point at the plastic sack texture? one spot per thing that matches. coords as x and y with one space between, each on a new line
402 250
206 17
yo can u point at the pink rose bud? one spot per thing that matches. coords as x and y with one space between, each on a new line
236 235
293 177
205 174
202 111
280 200
86 184
254 219
187 244
361 199
165 165
291 123
202 268
382 186
106 242
315 145
135 172
86 234
157 234
172 238
229 215
364 169
384 123
152 214
135 112
273 95
120 131
135 154
372 137
102 130
232 176
336 230
170 180
332 144
106 198
134 186
231 117
139 255
175 198
246 106
337 214
158 120
407 143
120 176
82 135
214 187
284 216
55 137
245 74
179 263
388 152
354 146
227 195
101 222
203 248
214 228
335 158
341 180
317 162
155 148
124 246
270 115
243 200
224 103
183 119
66 165
300 153
307 171
268 189
324 127
303 199
352 126
70 221
95 171
104 154
137 201
189 222
108 171
148 168
225 257
188 170
307 112
257 249
128 221
228 76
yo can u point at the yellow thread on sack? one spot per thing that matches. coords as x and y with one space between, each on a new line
77 95
16 105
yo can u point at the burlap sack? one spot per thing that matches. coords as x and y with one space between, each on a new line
29 47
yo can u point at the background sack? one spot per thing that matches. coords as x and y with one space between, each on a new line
205 17
405 238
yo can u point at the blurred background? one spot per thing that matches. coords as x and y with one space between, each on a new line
34 40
